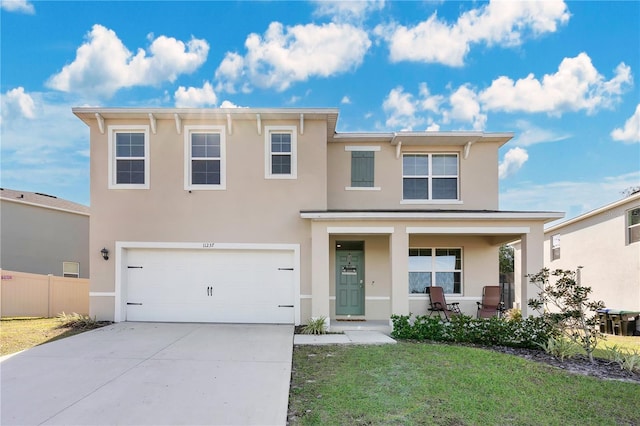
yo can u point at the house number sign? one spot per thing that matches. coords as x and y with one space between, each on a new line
207 245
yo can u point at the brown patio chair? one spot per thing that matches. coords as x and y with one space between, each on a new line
437 303
491 304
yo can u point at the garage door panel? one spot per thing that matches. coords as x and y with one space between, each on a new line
211 286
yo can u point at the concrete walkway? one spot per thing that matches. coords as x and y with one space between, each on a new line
361 337
152 374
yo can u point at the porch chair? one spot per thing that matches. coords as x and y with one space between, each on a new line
437 303
491 304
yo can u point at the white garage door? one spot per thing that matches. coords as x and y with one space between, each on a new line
244 286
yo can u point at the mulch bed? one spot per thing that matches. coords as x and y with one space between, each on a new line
580 364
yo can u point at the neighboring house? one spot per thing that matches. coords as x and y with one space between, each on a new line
43 234
606 244
270 215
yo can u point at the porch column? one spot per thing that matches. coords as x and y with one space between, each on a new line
320 271
531 262
399 253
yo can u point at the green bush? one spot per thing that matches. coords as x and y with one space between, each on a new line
315 326
561 348
627 360
527 333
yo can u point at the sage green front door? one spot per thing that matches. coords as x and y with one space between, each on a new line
349 282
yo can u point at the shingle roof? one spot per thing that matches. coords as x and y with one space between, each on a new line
44 200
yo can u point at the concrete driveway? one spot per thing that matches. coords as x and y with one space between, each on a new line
153 374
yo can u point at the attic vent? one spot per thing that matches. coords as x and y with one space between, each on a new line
45 195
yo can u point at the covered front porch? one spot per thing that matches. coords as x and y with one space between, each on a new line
367 266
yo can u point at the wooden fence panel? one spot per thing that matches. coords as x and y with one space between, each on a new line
34 295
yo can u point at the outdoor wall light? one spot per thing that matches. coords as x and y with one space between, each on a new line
105 253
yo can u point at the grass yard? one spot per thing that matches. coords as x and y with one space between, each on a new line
17 334
434 384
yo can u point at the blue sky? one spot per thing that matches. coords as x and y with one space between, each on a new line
563 76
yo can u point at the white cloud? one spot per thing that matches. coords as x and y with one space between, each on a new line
345 100
568 196
513 160
104 65
16 102
283 56
405 112
20 6
194 97
630 133
230 70
499 22
52 149
466 108
576 85
347 11
401 109
429 102
529 134
229 104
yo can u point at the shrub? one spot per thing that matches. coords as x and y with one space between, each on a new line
77 321
565 305
627 360
315 326
529 333
560 348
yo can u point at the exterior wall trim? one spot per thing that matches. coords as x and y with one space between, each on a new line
360 230
449 215
488 230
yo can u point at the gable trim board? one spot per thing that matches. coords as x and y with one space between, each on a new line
215 283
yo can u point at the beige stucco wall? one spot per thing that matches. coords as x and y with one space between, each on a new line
252 209
478 177
611 267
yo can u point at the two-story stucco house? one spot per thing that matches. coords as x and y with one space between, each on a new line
605 243
43 234
270 215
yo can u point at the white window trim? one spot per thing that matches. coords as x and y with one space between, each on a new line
433 271
188 186
128 128
268 130
362 188
628 226
430 178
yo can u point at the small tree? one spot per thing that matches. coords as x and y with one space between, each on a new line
566 305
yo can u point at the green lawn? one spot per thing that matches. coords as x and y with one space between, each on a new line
433 384
17 334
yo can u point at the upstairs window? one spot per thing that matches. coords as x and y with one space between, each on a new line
205 157
129 157
429 177
633 225
71 269
555 247
280 152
